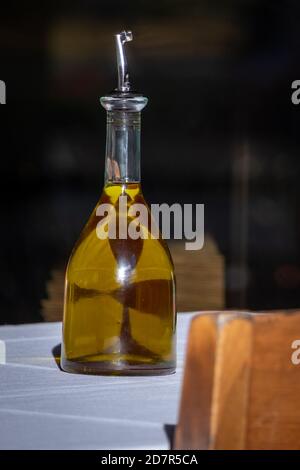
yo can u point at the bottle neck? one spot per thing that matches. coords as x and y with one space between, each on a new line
122 161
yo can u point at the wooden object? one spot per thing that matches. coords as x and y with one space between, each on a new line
241 388
200 276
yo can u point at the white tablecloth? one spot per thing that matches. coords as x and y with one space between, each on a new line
42 407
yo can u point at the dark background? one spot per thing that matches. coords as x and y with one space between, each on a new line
220 129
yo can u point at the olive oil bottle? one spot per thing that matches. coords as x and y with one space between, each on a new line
119 310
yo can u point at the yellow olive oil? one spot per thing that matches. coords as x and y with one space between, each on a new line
119 303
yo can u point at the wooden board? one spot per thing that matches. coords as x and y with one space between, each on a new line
241 389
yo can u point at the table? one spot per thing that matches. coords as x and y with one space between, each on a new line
42 407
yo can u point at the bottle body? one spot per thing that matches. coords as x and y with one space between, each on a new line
119 313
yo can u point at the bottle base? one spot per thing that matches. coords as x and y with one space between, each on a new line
108 368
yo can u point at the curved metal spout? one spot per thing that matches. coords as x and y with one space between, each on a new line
123 76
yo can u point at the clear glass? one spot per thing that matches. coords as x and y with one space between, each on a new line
119 313
122 162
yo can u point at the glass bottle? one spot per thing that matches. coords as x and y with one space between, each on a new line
119 309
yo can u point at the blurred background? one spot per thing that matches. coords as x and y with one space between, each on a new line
219 129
